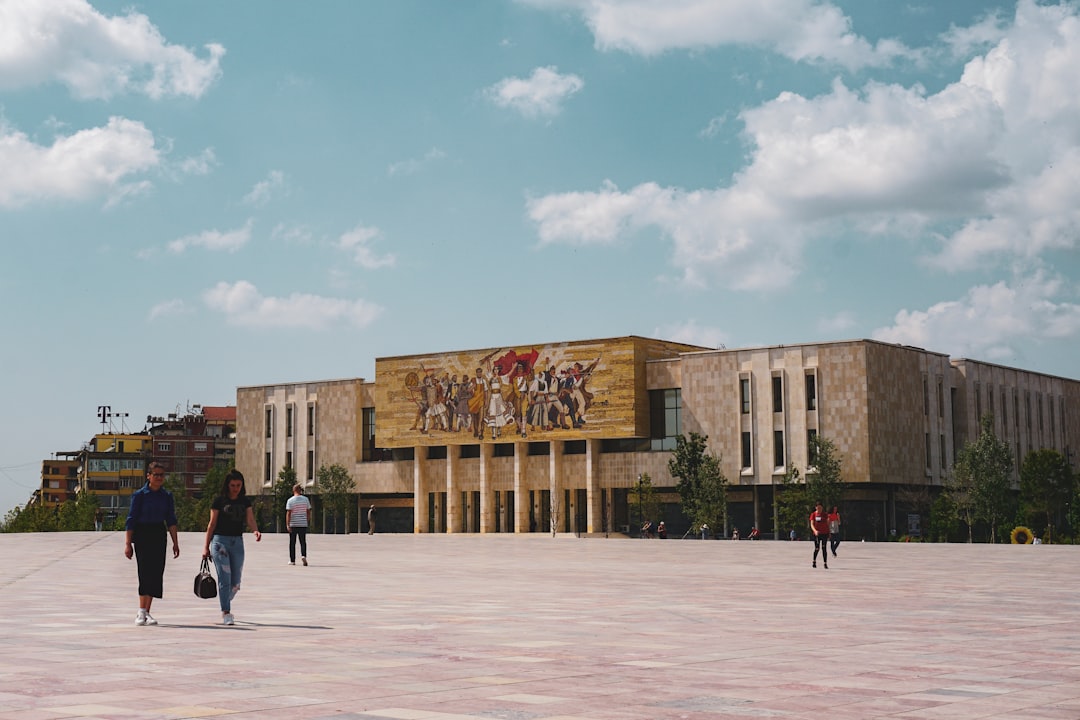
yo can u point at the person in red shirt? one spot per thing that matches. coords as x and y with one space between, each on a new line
819 525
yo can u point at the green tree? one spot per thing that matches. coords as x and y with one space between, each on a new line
35 518
793 503
1047 484
643 495
335 485
943 518
824 478
982 470
701 484
187 509
212 486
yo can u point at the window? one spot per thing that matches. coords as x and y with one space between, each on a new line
665 418
925 396
1039 404
288 458
811 392
1016 410
777 394
200 447
778 448
503 450
473 451
268 469
940 399
746 456
310 419
573 447
269 422
539 448
164 447
288 421
1004 411
310 464
367 430
928 451
978 403
990 398
199 479
811 447
436 452
943 463
744 395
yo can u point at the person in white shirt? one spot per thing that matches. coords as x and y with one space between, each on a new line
297 519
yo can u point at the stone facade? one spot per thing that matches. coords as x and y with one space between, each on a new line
897 415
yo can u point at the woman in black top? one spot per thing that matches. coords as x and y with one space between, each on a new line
229 514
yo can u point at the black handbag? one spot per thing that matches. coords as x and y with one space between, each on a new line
205 584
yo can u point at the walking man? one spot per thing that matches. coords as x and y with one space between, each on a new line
371 520
819 525
297 519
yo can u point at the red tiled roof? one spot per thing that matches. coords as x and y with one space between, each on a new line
219 414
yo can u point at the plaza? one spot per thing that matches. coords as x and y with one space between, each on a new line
531 627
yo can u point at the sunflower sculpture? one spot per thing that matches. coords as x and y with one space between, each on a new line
1022 536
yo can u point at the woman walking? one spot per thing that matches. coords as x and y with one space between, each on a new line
230 512
152 514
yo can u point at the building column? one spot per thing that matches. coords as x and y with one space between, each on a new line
487 497
555 464
453 492
420 496
593 509
521 489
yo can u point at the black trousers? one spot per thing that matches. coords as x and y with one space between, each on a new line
297 532
149 540
822 542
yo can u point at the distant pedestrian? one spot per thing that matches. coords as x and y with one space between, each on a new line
99 519
297 519
819 525
793 535
735 533
661 530
704 531
371 520
834 529
152 514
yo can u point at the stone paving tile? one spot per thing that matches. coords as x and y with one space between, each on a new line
539 628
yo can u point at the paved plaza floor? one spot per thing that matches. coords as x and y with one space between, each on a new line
425 627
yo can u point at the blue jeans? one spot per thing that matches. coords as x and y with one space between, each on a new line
227 552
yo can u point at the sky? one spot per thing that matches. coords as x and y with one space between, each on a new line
203 195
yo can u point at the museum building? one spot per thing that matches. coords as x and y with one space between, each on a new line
554 436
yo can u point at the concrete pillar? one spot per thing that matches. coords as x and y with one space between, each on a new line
487 495
521 488
453 491
555 484
420 491
594 511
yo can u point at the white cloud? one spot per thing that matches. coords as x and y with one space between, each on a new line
89 163
293 234
803 30
201 164
989 166
167 308
242 304
229 240
264 190
996 322
358 242
412 165
540 94
69 42
691 333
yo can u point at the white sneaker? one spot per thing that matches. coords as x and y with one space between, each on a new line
228 619
150 620
291 562
140 619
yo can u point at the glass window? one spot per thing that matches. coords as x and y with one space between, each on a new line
811 392
665 418
744 395
269 421
778 448
746 454
777 394
811 447
288 421
310 419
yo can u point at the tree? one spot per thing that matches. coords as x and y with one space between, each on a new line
282 491
187 509
701 484
982 469
1047 484
335 484
943 518
793 503
212 486
644 494
824 477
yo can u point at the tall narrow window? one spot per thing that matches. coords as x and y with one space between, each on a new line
665 418
268 469
811 392
942 461
978 403
925 396
928 451
811 447
310 419
288 458
990 399
269 421
310 464
746 450
1004 412
940 399
778 448
288 420
744 395
368 433
777 394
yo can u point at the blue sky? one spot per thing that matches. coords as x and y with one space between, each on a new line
203 195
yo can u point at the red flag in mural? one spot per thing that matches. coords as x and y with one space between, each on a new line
513 364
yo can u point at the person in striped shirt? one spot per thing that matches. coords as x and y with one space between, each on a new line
297 517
